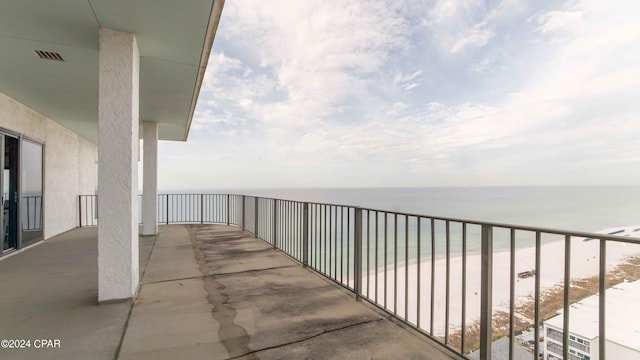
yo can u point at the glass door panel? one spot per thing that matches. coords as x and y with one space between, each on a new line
31 200
9 181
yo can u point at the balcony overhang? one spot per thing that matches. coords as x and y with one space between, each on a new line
174 38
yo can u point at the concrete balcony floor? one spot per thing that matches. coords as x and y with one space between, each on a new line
206 292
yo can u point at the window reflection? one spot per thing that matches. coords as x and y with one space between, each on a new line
31 201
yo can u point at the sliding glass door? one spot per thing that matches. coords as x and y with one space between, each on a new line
21 197
10 147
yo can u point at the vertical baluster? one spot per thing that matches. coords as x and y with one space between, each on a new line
318 237
463 320
242 209
486 289
357 263
255 220
331 231
395 263
228 209
406 268
368 252
305 235
348 241
602 288
512 286
536 346
565 303
341 258
447 281
80 210
376 257
324 269
275 223
433 275
419 260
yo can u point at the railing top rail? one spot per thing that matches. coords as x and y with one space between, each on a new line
585 234
178 194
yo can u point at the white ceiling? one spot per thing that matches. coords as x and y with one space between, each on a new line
174 38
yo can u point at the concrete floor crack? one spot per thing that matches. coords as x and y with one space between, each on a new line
214 275
254 270
306 339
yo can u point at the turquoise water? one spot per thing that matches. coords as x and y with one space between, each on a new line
571 208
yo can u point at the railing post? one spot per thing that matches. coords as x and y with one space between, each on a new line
565 302
357 263
80 210
242 212
40 207
28 213
201 208
305 235
275 223
255 220
602 301
228 209
166 208
486 289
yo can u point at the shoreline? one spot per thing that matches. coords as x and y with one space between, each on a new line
584 264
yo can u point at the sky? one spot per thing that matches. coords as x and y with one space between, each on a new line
413 93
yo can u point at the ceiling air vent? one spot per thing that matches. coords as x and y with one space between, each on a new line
48 55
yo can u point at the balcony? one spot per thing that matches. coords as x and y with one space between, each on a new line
374 255
244 276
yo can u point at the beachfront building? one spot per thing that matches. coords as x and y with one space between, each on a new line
623 333
81 82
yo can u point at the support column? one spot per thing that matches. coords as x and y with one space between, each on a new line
118 124
150 179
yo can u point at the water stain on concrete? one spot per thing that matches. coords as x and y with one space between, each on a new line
233 337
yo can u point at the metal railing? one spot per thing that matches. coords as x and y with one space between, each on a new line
87 210
417 268
31 213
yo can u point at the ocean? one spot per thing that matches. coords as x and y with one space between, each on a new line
580 208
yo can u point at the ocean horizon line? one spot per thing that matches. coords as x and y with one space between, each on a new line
198 189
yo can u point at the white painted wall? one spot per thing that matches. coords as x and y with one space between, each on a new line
69 162
150 176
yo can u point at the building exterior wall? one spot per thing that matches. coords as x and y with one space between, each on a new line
622 335
580 348
69 163
577 350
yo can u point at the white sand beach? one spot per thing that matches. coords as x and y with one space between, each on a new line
584 263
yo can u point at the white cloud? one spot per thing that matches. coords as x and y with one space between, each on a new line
482 65
476 37
558 20
459 25
419 93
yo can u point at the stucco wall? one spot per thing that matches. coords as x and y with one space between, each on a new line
69 163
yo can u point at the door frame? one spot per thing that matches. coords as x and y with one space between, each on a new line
4 133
